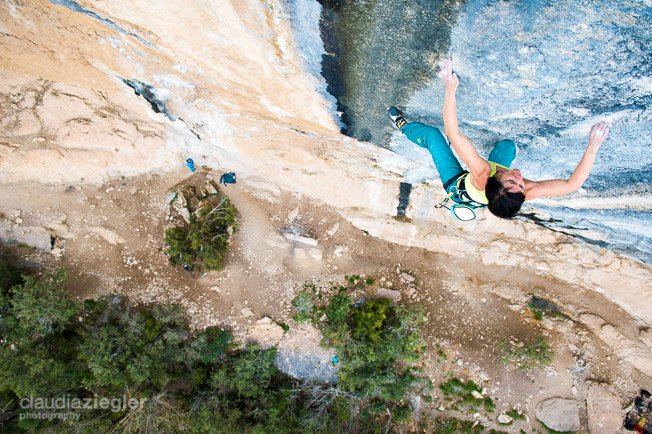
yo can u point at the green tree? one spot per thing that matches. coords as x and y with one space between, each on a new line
41 305
249 373
375 342
9 275
203 243
127 345
210 345
35 355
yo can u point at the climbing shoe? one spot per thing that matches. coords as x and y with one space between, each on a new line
397 118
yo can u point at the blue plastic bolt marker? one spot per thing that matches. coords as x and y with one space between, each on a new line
335 359
190 164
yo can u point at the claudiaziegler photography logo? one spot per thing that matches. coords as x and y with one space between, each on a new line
66 407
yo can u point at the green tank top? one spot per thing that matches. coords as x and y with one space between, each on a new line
479 195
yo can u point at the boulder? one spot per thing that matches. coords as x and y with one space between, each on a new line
559 414
547 323
603 410
34 236
299 253
406 278
316 254
265 333
107 234
504 419
180 205
300 239
301 356
391 294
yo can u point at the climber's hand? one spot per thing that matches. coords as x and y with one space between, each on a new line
451 81
598 134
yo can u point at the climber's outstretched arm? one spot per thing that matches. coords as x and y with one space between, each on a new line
478 166
559 187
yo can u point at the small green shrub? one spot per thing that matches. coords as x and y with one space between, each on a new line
458 388
338 309
402 218
515 414
460 395
402 414
352 279
452 426
303 307
536 313
441 355
370 318
203 243
525 355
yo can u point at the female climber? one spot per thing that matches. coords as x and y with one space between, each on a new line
489 182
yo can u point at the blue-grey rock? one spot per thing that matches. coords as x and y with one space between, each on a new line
542 73
559 414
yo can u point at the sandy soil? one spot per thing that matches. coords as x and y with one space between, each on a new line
110 238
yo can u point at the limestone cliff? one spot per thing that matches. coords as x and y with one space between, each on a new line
96 90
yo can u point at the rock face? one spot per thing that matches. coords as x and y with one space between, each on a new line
633 351
419 33
646 337
301 356
603 410
529 72
559 414
120 92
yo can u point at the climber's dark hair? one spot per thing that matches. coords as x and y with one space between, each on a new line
502 203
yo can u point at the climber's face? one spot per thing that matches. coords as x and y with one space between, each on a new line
512 180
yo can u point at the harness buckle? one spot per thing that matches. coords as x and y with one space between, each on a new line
463 209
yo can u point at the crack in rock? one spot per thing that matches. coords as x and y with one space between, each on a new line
76 7
148 92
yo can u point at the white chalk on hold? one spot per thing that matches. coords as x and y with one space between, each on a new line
598 133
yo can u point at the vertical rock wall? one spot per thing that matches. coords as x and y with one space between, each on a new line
130 87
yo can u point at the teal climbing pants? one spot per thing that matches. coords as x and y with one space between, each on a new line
448 166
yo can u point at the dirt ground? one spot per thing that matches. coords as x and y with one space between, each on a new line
110 239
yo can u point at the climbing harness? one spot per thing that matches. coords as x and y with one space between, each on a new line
463 208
